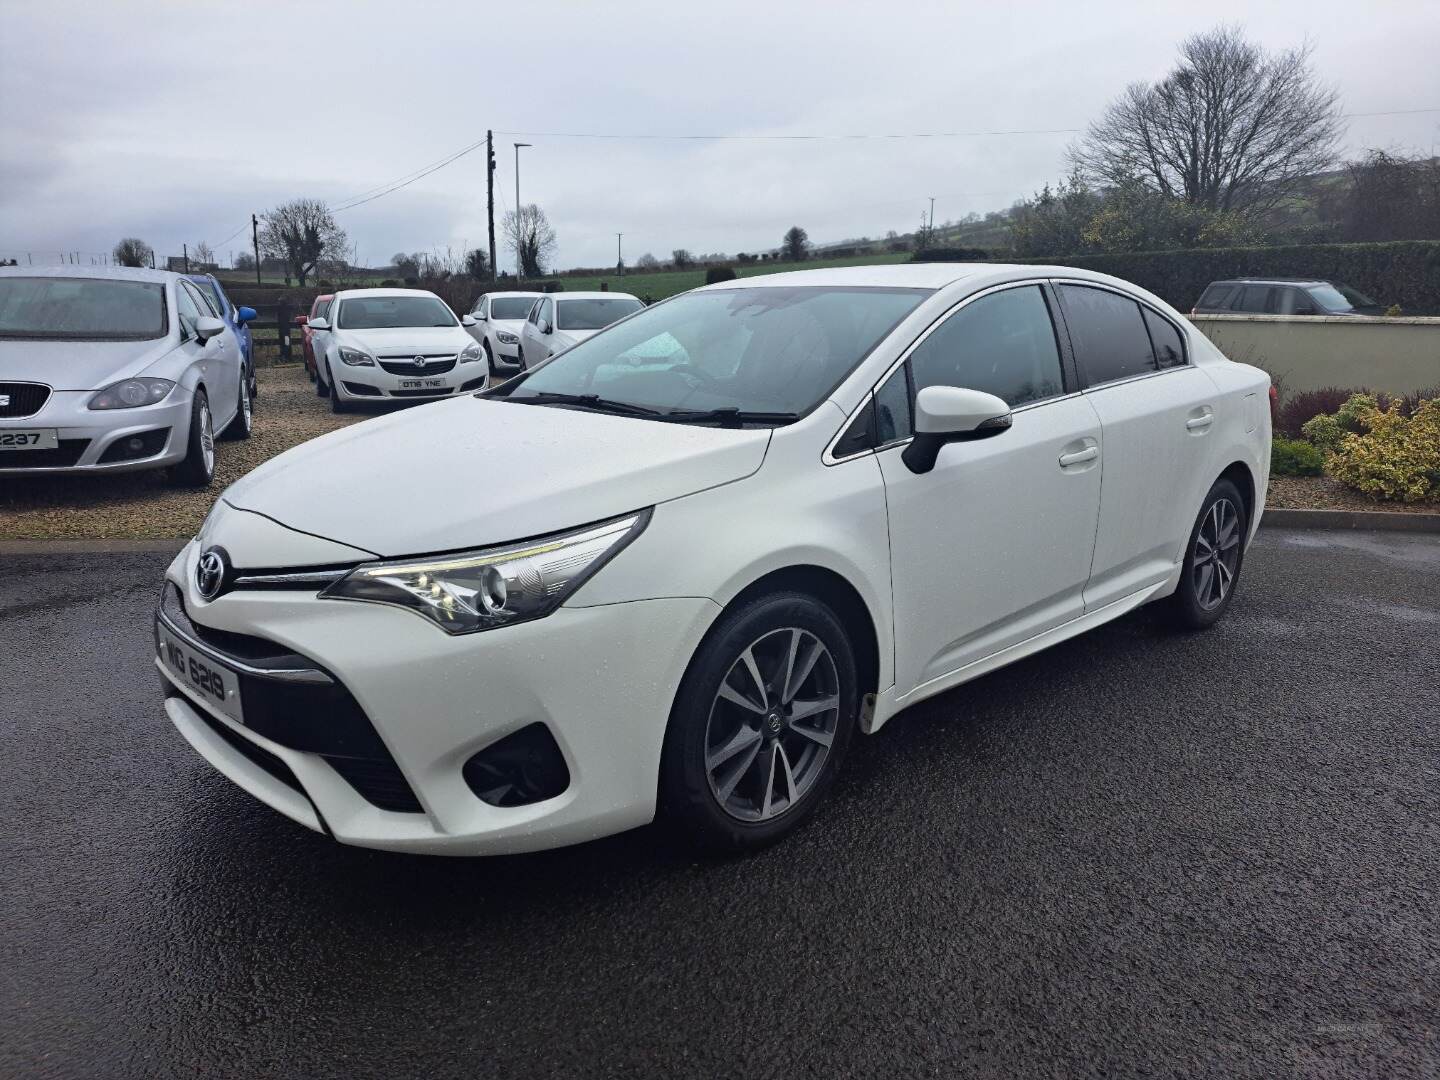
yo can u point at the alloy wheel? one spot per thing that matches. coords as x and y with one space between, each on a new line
771 725
207 437
1216 555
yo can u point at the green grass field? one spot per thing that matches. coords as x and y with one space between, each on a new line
663 283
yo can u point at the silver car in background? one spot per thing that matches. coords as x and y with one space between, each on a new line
111 369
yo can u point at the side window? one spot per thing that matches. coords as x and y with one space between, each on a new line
1108 334
482 307
187 310
1295 302
892 409
1169 346
1003 344
322 307
204 304
547 312
1216 296
534 311
1253 299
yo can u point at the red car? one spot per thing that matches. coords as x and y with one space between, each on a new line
317 311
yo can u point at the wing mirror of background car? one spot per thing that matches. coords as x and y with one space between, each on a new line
546 328
946 414
467 320
207 326
301 320
319 324
245 314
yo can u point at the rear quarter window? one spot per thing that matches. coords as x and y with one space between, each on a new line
1216 296
1108 334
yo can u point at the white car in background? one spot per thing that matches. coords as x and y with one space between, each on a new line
713 545
559 320
499 318
382 344
109 369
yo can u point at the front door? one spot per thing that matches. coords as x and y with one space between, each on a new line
992 546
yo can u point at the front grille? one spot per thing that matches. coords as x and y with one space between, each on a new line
63 456
313 718
420 393
26 399
434 365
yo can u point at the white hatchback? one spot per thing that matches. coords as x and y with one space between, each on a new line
712 545
558 321
376 344
499 318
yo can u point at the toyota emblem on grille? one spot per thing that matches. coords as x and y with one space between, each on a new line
210 572
420 362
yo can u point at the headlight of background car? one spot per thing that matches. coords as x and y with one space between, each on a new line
469 353
132 393
480 590
507 338
356 358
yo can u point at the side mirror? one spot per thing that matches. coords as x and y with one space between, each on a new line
467 320
301 320
946 414
546 328
208 326
319 324
245 314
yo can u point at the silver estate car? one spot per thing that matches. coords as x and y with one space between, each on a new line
109 369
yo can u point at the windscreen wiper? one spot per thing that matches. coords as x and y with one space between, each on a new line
730 416
593 402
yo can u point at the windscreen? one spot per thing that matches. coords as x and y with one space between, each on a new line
511 307
82 309
762 349
384 312
592 314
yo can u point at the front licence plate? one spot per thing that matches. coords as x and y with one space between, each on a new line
213 682
35 439
421 384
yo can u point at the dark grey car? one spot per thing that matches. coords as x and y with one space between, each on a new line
1283 296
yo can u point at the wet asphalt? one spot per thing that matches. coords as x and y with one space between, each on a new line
1138 853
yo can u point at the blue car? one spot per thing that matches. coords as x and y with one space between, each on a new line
238 319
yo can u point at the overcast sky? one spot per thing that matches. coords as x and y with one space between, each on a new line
173 121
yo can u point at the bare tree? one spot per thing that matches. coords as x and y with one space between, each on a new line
681 259
796 243
1232 127
528 233
302 233
1390 196
132 251
477 264
202 257
648 262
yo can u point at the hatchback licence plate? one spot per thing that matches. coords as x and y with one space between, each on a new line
211 681
421 384
34 439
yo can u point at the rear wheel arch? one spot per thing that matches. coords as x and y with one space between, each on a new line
1239 474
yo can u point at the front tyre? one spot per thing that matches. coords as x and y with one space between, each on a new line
337 405
241 426
198 467
1213 559
760 724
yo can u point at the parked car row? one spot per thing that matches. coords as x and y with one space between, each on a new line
113 370
520 330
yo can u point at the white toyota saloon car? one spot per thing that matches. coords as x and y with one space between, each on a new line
713 545
379 344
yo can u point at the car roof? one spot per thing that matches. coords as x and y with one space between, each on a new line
519 295
597 295
1271 281
893 275
113 273
353 293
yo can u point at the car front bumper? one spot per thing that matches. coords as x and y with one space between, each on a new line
375 383
600 679
94 442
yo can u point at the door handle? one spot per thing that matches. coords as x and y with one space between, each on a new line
1090 453
1195 423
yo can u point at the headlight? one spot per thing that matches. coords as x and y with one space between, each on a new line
132 393
469 353
356 358
480 590
507 338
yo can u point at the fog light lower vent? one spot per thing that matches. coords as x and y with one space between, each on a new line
524 767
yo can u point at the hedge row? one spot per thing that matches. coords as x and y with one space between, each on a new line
1405 272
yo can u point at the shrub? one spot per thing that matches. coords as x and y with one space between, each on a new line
1297 408
1295 457
719 273
950 255
389 283
1395 457
1328 430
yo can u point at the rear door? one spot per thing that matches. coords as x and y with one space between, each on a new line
1155 410
994 544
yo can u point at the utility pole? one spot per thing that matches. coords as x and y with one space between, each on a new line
490 197
255 239
619 259
185 255
519 266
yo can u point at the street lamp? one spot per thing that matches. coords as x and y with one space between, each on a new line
518 266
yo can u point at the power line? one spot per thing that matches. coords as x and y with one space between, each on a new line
406 182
